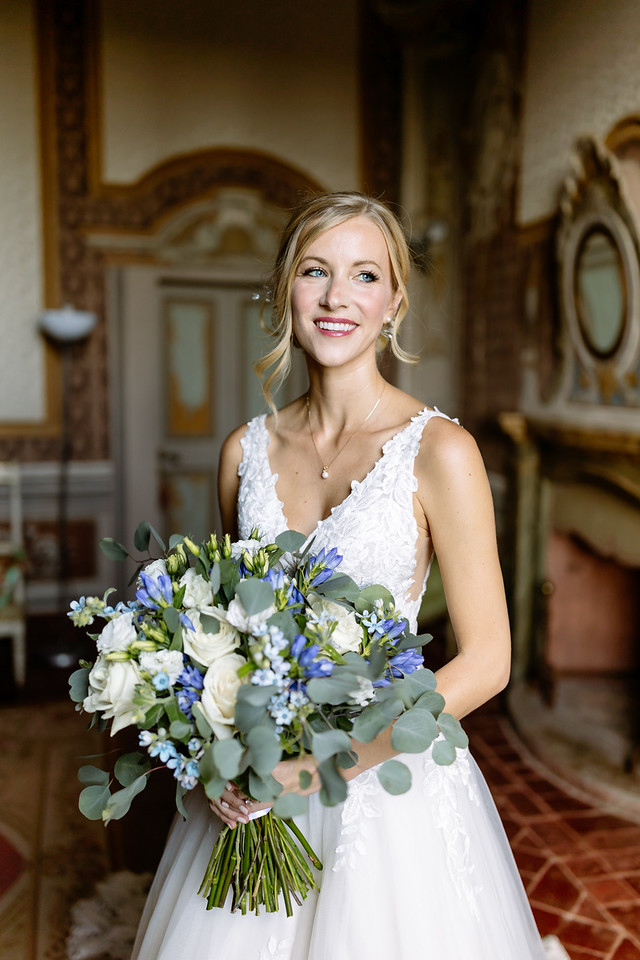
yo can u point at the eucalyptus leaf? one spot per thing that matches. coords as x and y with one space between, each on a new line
284 622
202 566
290 805
334 789
180 730
93 800
346 760
228 756
130 766
329 743
432 701
452 730
92 776
290 540
395 777
120 801
208 767
304 779
265 788
112 549
339 586
172 618
367 597
255 595
375 718
209 624
158 539
419 682
174 540
414 731
152 715
214 787
334 689
180 792
264 750
214 577
142 536
79 684
202 724
443 753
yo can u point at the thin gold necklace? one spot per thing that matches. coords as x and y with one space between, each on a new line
325 466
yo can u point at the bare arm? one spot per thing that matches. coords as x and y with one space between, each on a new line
229 481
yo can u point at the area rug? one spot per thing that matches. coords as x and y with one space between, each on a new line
50 856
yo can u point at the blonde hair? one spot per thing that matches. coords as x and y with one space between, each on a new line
309 221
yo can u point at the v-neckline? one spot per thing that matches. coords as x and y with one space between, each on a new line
355 484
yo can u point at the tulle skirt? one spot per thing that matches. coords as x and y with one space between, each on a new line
423 875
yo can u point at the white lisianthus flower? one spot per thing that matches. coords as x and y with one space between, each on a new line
155 569
112 686
218 701
207 647
170 661
199 592
118 634
363 694
251 546
347 634
238 617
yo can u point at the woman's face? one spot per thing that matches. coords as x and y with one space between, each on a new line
342 293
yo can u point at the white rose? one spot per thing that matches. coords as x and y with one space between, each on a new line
221 685
347 634
238 617
198 592
155 569
112 686
207 647
117 635
171 661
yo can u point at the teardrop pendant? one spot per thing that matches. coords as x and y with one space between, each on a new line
325 473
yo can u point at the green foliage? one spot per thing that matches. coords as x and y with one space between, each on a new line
290 805
339 586
119 803
130 766
334 789
172 618
92 776
304 779
79 684
112 549
93 800
142 536
290 541
227 755
255 595
395 776
202 724
264 788
180 730
264 749
209 624
367 598
251 706
375 718
452 730
329 743
443 753
414 731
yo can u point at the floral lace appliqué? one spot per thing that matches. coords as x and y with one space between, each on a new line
442 785
358 808
277 949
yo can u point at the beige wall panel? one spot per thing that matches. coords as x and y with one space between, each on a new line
21 348
582 76
278 77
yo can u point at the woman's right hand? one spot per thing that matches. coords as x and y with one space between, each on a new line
234 807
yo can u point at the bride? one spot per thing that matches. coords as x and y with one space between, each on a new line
360 465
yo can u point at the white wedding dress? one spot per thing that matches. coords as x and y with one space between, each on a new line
428 874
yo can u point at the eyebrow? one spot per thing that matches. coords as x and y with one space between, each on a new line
356 263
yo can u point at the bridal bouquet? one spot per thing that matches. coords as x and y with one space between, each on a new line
234 656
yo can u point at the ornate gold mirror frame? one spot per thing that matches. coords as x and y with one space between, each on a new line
599 265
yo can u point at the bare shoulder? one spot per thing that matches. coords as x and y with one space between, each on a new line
448 453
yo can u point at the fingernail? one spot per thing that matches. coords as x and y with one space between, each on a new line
223 803
242 820
243 809
229 785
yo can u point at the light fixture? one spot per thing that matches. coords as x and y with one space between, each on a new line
67 325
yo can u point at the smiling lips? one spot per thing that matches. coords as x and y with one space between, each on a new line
335 328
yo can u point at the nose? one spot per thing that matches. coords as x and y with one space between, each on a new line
334 294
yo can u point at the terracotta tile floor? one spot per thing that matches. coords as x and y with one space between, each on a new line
580 864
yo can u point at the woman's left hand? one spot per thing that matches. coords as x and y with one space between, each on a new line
234 807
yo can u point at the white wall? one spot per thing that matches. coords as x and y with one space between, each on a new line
21 348
277 77
582 76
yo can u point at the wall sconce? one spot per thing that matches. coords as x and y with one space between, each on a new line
64 328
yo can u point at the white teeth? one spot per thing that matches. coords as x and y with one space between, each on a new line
335 325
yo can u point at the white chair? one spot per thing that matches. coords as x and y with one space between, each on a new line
12 595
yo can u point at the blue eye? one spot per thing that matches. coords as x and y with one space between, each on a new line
313 272
368 276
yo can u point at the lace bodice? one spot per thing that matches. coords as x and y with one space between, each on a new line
374 527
